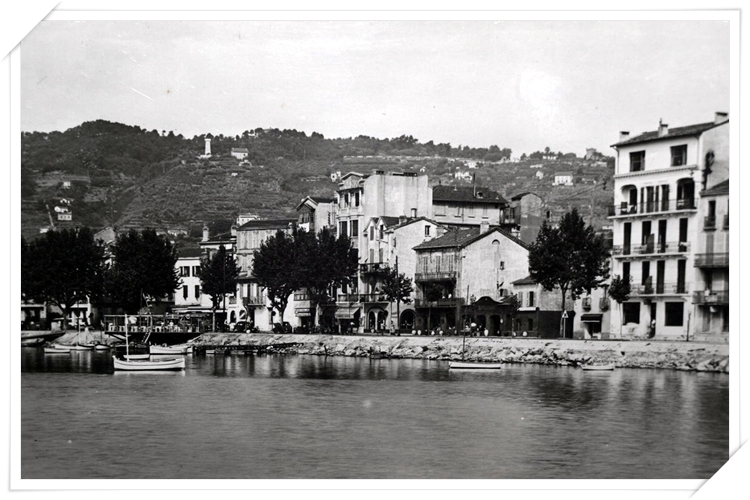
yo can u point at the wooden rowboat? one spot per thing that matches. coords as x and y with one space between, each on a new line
81 347
469 365
156 349
55 350
598 367
133 357
149 365
101 347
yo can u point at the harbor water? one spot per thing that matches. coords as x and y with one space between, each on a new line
317 417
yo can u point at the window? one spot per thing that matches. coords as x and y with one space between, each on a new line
426 231
372 233
197 291
470 210
626 271
631 312
185 271
637 161
381 232
196 270
342 229
458 210
531 301
356 199
679 155
346 199
439 209
355 228
380 255
184 292
673 312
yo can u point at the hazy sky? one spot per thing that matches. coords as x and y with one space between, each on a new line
519 84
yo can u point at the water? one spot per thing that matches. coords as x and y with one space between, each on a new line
277 417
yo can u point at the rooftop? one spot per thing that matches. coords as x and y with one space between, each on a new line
266 224
462 237
466 194
719 189
672 133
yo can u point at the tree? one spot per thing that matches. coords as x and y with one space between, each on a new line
63 268
571 257
397 288
143 269
274 266
325 262
619 291
514 304
218 274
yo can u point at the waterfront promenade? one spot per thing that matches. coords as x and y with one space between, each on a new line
676 355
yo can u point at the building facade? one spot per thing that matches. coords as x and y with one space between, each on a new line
467 205
658 223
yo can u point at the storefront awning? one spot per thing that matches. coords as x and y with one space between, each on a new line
346 313
302 312
591 318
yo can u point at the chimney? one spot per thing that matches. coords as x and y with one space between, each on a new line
663 129
721 117
205 233
208 146
484 226
624 135
401 219
234 230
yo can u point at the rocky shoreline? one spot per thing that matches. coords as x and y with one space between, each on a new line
686 356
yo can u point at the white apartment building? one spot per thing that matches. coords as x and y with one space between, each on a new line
658 223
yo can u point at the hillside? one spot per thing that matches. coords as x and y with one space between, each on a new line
107 174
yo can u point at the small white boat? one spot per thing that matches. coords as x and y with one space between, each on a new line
81 347
148 365
101 347
55 350
210 351
62 347
132 357
175 349
474 365
598 367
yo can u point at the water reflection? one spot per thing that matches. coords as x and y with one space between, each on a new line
313 416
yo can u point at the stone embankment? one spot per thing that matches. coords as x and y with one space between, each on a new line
689 356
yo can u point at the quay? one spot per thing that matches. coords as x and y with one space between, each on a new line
662 354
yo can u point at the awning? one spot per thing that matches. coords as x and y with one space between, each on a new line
346 313
302 312
591 318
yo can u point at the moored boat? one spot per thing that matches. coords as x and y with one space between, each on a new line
55 350
157 349
148 365
474 365
32 342
101 347
81 347
608 367
62 347
136 356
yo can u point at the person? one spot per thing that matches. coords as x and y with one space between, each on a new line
653 327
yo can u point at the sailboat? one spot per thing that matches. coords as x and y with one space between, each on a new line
472 365
130 364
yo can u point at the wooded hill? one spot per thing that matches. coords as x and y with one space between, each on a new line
106 173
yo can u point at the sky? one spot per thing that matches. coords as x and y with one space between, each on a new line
525 85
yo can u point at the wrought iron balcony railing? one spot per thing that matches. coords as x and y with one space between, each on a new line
709 222
452 302
435 276
711 297
658 289
651 248
711 260
651 207
374 268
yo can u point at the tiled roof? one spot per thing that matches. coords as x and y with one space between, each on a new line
322 199
521 195
390 221
266 224
719 189
465 194
189 252
219 238
411 220
671 133
463 237
528 280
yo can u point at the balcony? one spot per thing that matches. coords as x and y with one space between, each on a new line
301 297
658 289
435 276
372 297
709 260
626 209
347 297
674 247
255 300
709 222
453 302
374 268
711 297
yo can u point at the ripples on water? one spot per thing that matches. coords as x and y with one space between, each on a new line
276 417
